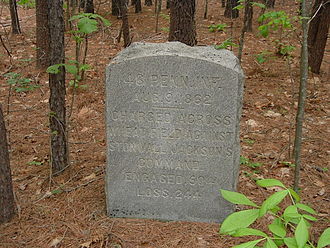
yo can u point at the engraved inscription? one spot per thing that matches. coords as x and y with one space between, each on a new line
173 81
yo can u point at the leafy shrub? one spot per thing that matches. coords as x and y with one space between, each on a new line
290 227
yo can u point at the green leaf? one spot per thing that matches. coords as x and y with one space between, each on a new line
72 69
306 208
294 195
237 198
277 229
309 217
272 201
301 233
324 239
258 5
238 220
87 25
243 160
270 243
290 242
270 183
56 191
248 232
290 213
250 244
54 69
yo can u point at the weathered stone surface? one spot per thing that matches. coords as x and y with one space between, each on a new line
172 114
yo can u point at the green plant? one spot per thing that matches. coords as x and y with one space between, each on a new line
227 43
29 4
20 84
263 57
249 141
247 162
290 225
281 23
217 27
164 16
84 24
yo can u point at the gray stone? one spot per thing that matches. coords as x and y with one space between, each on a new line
172 119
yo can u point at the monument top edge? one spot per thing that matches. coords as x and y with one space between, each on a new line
222 57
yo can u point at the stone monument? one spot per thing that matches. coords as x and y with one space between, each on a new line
172 120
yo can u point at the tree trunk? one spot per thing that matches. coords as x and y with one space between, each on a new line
182 22
115 8
57 118
125 25
248 15
270 4
168 4
318 34
248 12
16 29
205 9
302 95
7 203
148 2
87 6
230 12
138 7
223 3
42 34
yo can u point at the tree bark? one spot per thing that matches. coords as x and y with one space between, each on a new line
230 12
42 34
115 8
16 29
206 9
168 4
182 22
148 2
125 25
248 14
302 96
270 4
87 6
318 34
57 116
138 7
7 203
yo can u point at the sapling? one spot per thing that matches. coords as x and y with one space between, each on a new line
290 224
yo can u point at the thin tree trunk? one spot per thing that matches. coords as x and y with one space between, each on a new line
302 97
57 116
115 8
246 22
138 6
148 2
158 8
87 6
318 34
42 34
16 29
7 203
168 4
223 3
205 9
230 12
182 22
249 13
125 25
270 4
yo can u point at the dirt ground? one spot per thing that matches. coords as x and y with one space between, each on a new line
69 210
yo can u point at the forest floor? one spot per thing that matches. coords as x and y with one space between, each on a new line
69 210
